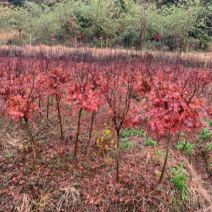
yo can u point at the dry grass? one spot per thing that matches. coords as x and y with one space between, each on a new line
70 198
9 140
59 50
25 204
198 188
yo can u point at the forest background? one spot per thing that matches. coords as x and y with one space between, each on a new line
137 24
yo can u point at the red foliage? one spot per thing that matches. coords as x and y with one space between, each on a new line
80 37
174 102
157 36
83 89
19 92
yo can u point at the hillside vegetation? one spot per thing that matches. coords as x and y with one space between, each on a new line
125 23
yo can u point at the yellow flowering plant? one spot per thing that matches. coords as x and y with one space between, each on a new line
104 140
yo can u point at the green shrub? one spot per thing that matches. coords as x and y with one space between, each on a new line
128 36
125 133
209 147
205 134
210 123
132 132
181 185
179 178
150 142
179 170
140 133
187 148
126 144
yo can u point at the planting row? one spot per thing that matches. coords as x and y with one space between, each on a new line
168 101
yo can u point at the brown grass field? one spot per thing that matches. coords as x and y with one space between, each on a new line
58 50
205 58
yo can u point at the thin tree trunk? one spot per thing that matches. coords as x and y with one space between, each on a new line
178 136
97 14
39 105
77 135
30 39
141 45
21 121
187 41
164 55
47 110
186 142
184 145
117 158
31 140
115 27
141 35
91 128
58 110
166 159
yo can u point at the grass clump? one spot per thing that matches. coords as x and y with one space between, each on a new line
179 179
205 134
150 142
209 147
132 132
126 144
